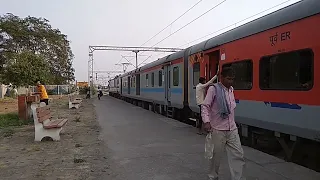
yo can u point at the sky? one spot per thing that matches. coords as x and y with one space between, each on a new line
132 23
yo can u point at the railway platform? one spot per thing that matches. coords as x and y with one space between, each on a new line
149 146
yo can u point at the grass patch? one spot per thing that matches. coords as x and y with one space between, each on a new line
8 100
11 119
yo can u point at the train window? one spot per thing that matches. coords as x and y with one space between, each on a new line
147 80
133 81
244 73
160 78
196 73
287 71
152 79
176 76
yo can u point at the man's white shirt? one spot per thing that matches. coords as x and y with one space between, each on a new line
201 90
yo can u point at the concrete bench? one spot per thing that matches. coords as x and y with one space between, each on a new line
44 125
74 102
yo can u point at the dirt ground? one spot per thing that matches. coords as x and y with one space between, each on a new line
8 105
78 155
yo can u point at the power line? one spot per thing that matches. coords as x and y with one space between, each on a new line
188 24
230 25
191 22
170 24
235 23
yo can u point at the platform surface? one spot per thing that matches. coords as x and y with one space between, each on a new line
149 146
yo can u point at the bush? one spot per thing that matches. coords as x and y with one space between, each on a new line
94 91
83 90
52 92
11 119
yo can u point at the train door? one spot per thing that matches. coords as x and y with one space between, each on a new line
167 75
121 85
138 84
213 63
129 85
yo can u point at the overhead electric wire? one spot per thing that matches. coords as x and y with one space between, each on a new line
235 23
186 25
231 25
170 24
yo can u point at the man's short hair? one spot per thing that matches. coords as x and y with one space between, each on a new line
227 72
201 79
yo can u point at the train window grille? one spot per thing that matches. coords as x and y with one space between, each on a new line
243 74
287 71
138 84
196 73
176 76
152 79
133 81
160 78
129 84
147 80
169 79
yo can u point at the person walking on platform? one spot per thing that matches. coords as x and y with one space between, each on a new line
218 117
41 90
200 94
88 93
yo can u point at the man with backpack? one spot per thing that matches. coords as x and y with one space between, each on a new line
218 117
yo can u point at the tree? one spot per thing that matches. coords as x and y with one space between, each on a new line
26 71
34 37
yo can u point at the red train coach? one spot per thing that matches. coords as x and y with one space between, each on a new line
276 59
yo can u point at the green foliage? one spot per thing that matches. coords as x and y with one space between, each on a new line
94 90
52 92
11 119
83 90
23 40
27 70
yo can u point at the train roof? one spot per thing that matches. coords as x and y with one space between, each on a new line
165 59
291 13
162 60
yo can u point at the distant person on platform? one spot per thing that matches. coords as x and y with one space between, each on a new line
41 90
88 93
201 94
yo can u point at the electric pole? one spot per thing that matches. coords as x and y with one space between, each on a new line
124 66
136 50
